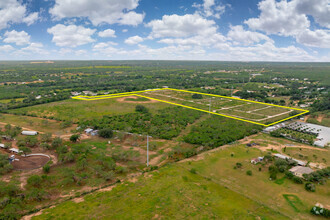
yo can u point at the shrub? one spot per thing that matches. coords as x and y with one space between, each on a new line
106 133
288 174
141 108
34 181
273 176
193 170
310 187
238 165
320 211
297 180
197 96
74 138
56 142
46 168
45 146
249 173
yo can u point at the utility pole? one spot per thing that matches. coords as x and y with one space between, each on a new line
147 150
210 105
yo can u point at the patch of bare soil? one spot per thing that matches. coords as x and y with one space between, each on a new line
31 162
123 100
154 161
78 200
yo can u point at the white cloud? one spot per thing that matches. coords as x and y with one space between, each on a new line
124 30
35 48
279 18
100 11
6 48
80 52
318 38
30 19
181 26
241 36
199 40
319 9
13 11
210 8
71 35
107 33
18 38
290 18
133 40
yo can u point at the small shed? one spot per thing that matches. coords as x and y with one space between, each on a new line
89 130
299 171
2 146
29 133
14 150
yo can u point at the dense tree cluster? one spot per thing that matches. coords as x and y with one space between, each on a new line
166 124
217 131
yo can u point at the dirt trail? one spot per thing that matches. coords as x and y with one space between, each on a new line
123 100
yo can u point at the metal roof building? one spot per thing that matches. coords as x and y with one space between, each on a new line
30 133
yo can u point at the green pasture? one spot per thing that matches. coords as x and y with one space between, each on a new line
75 110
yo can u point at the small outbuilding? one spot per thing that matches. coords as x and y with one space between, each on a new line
15 150
257 160
2 146
89 130
299 171
29 133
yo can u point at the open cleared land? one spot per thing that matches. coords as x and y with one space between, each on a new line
36 124
172 193
232 107
75 110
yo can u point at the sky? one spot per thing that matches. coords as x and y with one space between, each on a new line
224 30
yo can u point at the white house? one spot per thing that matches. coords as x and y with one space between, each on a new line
2 146
29 133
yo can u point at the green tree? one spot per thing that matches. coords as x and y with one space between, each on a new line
57 142
74 138
141 108
106 133
25 150
197 96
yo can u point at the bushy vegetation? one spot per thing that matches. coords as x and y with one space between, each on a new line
216 131
5 166
166 124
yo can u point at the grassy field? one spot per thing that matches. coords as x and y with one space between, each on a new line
205 188
34 123
219 167
241 109
170 193
309 155
75 110
8 100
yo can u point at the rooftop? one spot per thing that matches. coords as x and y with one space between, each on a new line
301 170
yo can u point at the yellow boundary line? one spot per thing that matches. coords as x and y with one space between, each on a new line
118 95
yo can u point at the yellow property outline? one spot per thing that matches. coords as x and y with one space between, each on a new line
118 95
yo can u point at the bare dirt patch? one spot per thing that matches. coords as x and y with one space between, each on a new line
123 100
31 162
78 200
